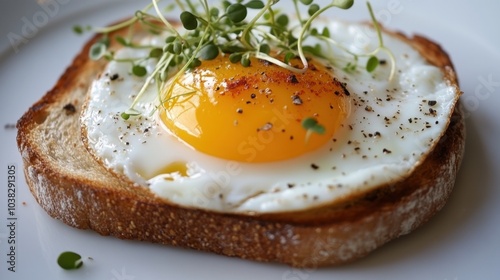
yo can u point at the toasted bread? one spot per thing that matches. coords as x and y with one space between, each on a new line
70 186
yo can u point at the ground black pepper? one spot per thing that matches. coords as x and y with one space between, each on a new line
69 108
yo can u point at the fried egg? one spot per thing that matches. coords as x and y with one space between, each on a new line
230 139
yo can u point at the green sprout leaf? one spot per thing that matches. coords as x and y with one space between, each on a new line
125 116
344 4
170 39
97 50
326 32
315 50
130 113
195 63
78 29
245 61
69 260
288 57
156 52
372 64
176 48
350 67
121 40
312 124
236 12
255 4
214 12
139 71
282 20
313 9
189 20
265 48
235 57
209 52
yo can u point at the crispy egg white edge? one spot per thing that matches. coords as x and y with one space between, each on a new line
376 145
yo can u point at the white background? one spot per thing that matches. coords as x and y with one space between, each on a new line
461 242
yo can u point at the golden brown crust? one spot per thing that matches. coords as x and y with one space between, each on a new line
67 183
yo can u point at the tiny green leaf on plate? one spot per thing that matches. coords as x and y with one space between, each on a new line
69 260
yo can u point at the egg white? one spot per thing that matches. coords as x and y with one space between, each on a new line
389 131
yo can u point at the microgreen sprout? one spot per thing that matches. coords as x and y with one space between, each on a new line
311 126
381 47
69 260
372 64
207 32
78 29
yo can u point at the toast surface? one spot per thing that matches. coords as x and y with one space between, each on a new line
68 183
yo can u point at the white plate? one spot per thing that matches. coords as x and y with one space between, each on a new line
461 242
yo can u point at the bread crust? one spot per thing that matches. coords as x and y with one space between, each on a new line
68 184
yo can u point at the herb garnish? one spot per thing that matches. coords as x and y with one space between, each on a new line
211 31
311 125
69 260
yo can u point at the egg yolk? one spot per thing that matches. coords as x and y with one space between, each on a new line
255 113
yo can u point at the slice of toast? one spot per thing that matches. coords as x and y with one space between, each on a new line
71 186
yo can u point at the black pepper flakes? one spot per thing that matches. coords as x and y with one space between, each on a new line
69 108
9 126
114 77
292 79
296 100
432 102
342 85
386 151
239 111
314 166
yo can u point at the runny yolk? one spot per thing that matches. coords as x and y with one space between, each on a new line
255 113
